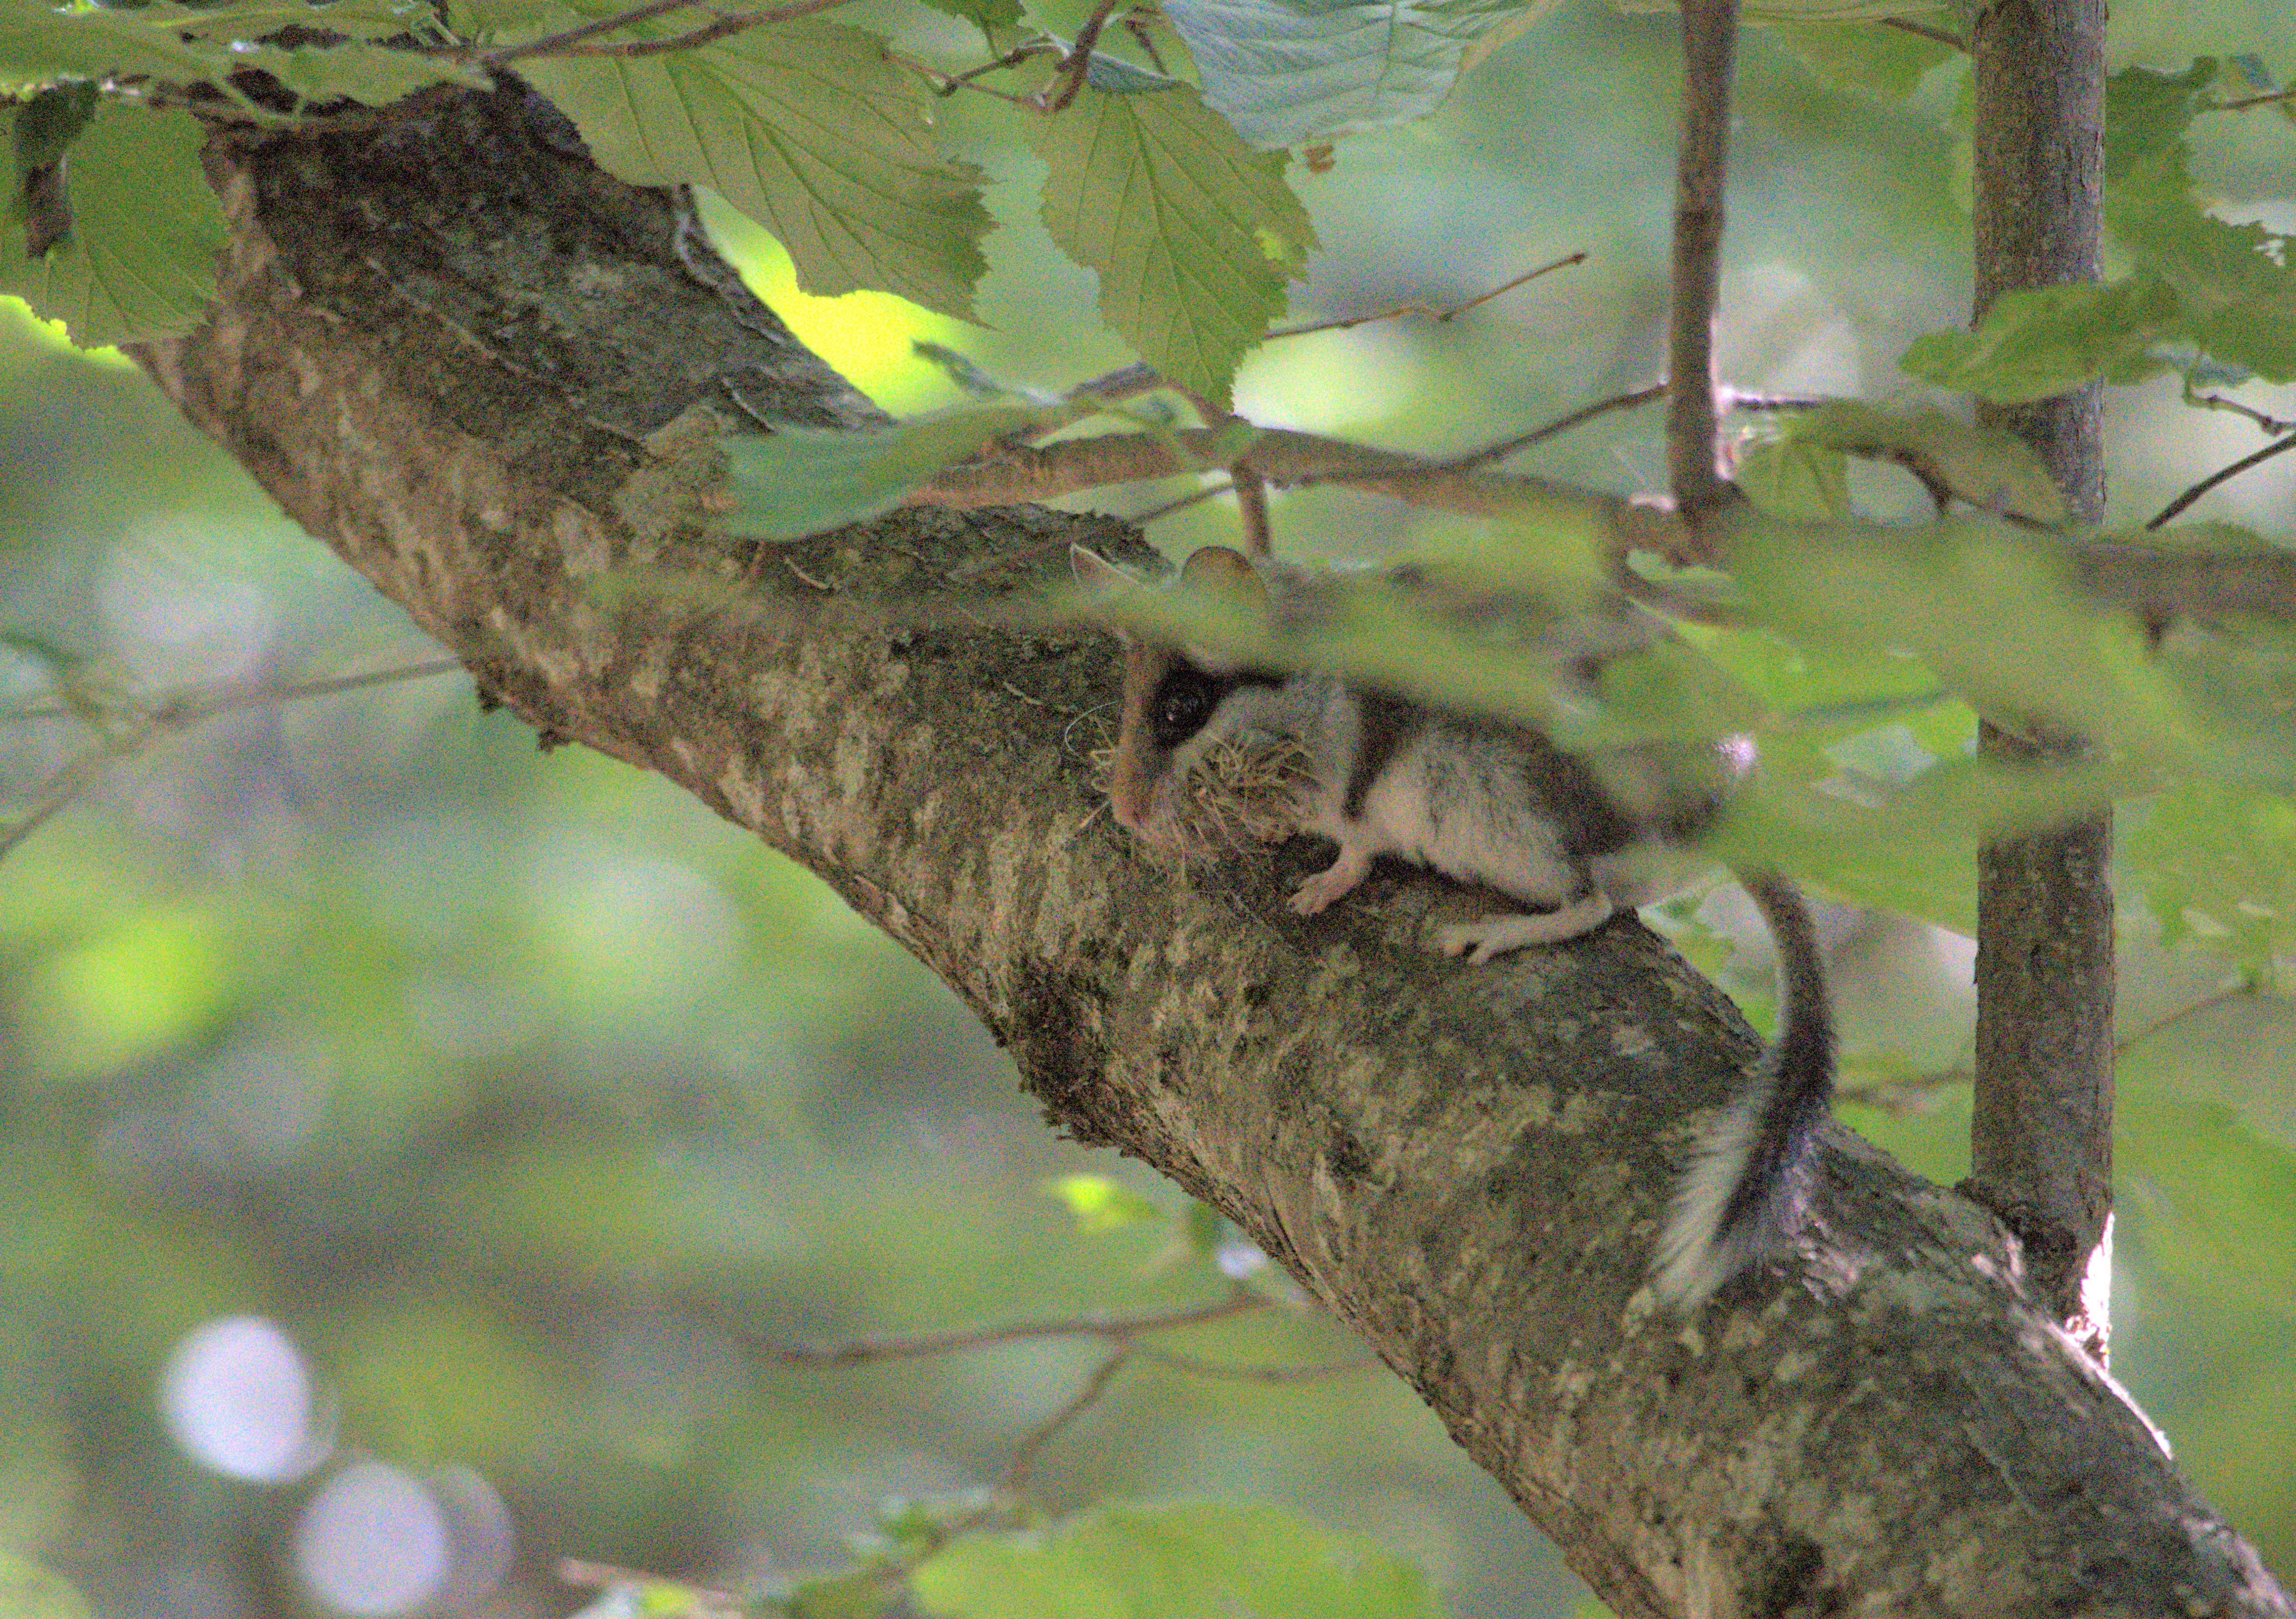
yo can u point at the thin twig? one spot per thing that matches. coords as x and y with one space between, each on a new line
1210 491
949 84
1732 398
176 713
1926 31
571 43
1439 316
1560 425
1113 1329
1710 40
2217 401
1077 65
2127 1043
1127 382
1032 1444
1136 25
2222 475
575 35
1235 1373
2266 99
187 707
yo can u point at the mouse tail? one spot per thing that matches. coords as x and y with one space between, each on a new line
1749 1180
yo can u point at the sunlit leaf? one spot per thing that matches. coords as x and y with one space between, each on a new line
1288 72
865 1595
1098 1204
1177 1562
810 130
988 13
39 41
1192 235
1792 477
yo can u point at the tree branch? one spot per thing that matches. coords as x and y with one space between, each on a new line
1466 1166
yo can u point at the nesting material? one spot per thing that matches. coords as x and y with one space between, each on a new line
1243 789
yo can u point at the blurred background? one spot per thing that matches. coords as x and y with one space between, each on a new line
408 1139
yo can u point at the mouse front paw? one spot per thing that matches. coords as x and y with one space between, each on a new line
1318 892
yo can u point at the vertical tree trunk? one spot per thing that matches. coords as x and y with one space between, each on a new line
2041 1139
1710 58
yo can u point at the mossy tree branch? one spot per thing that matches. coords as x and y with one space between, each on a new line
467 361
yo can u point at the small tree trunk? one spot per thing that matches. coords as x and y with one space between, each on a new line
2041 1149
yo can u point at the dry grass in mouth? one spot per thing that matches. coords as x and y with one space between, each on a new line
1241 790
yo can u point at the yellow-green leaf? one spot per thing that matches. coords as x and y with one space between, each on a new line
810 130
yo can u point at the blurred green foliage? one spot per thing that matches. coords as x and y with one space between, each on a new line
539 1110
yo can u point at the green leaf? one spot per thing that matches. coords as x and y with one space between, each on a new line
1288 72
38 43
2217 1199
2219 865
372 75
987 13
1985 467
1887 62
867 1594
2146 114
1098 1204
2237 287
1946 594
797 481
1192 235
511 22
29 1592
141 264
1791 477
1204 1561
810 130
2046 341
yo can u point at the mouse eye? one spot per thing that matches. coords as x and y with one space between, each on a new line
1184 703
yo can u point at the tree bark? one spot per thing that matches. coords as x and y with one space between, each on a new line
2041 1137
450 347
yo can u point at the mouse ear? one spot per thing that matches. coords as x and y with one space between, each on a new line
1226 573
